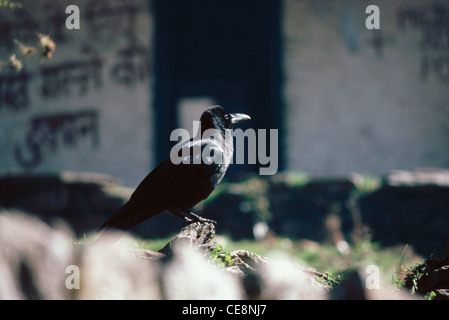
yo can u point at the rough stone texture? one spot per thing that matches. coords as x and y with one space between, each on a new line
442 294
408 207
84 200
194 235
418 177
300 212
34 261
234 218
430 276
34 258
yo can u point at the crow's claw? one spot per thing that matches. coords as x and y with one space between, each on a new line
196 218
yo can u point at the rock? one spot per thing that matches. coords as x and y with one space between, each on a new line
247 261
42 262
235 216
430 276
410 207
293 211
299 212
194 235
189 275
416 215
260 277
350 288
149 254
283 280
33 258
418 177
441 294
84 200
436 279
110 271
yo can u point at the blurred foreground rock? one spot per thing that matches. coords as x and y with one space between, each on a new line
33 258
38 261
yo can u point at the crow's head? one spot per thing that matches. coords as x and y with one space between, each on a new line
217 117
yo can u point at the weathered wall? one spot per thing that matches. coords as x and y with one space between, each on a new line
358 106
353 104
88 108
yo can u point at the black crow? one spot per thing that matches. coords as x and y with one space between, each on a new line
179 187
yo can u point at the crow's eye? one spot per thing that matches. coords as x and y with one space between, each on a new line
226 116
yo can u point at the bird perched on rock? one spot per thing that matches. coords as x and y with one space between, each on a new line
201 165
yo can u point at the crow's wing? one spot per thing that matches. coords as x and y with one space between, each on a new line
168 180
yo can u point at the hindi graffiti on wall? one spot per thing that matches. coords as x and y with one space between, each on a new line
105 52
14 91
132 65
59 80
48 133
433 21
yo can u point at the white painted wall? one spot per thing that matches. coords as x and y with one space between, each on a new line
124 113
353 111
349 110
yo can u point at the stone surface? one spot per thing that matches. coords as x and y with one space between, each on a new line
416 215
418 177
430 276
39 261
408 207
84 200
442 294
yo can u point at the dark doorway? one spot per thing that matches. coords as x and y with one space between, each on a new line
228 51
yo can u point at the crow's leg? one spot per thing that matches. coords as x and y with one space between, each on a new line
180 215
190 217
201 219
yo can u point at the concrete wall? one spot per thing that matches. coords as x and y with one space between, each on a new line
354 106
351 105
88 108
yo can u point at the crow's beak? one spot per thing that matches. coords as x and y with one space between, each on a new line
237 117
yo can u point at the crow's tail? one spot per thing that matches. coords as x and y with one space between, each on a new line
128 216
